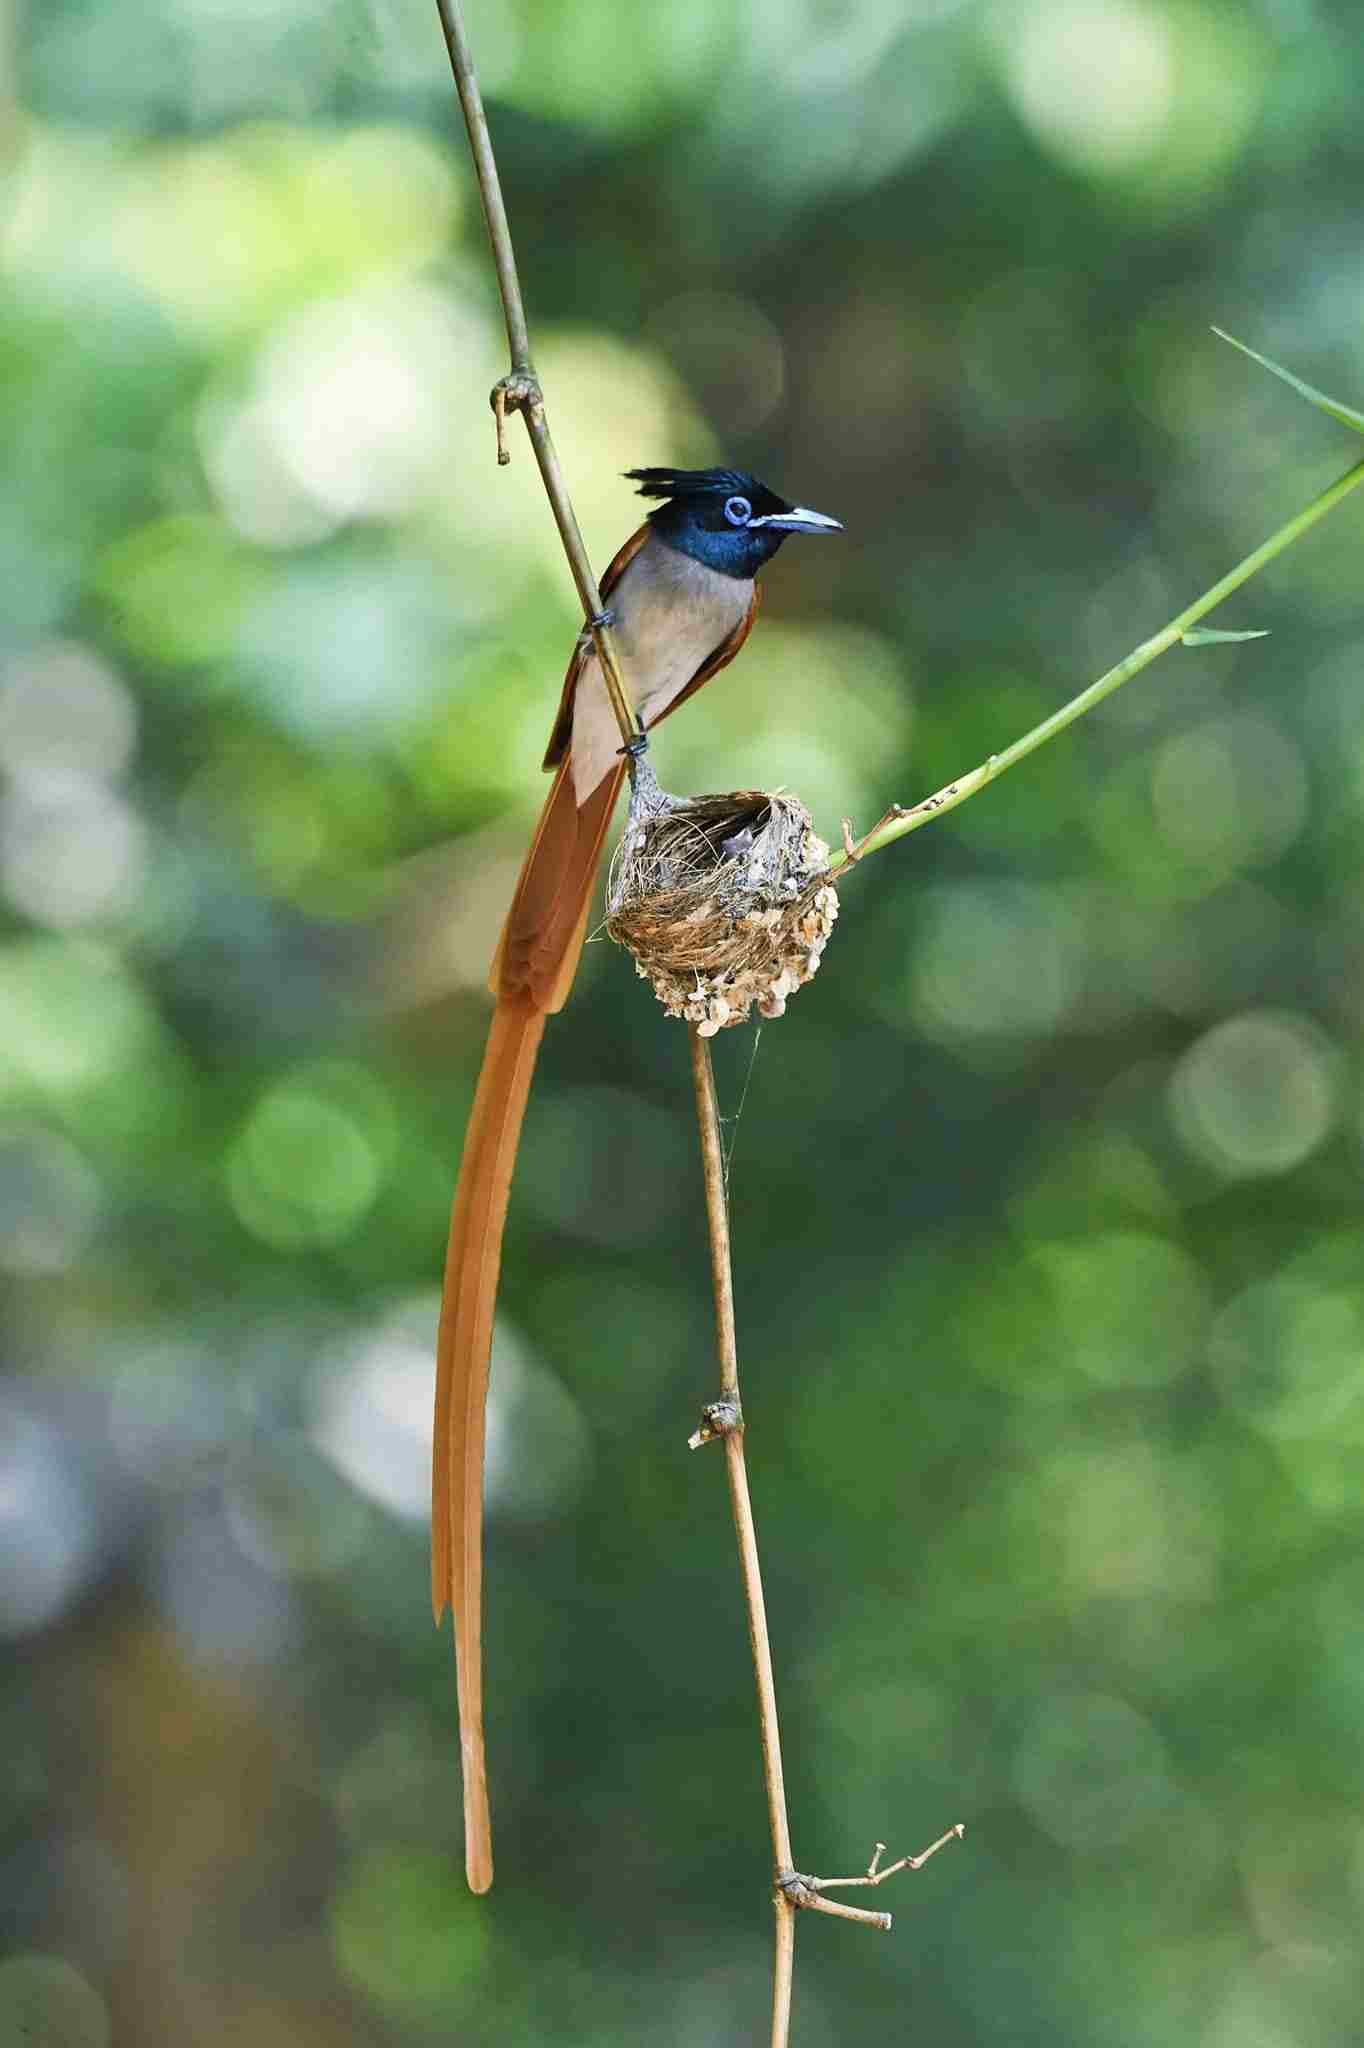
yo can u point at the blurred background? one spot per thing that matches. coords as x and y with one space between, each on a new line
1046 1193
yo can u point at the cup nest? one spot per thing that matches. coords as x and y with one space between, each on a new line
724 901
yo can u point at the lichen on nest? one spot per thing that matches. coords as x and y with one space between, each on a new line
725 901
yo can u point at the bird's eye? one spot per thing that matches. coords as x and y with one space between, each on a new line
738 511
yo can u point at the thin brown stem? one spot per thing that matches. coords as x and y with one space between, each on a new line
838 1911
717 1218
717 1215
874 1874
520 390
783 1968
724 1418
760 1645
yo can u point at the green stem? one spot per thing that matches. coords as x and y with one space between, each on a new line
954 793
489 184
520 391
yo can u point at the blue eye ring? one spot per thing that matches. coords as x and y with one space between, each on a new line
738 511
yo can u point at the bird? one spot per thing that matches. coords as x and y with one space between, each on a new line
682 597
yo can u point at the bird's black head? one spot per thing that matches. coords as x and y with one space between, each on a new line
723 517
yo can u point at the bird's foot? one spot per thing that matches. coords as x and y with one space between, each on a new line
635 749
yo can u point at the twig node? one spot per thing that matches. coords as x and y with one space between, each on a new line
518 391
718 1418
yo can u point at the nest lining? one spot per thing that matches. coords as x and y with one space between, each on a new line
724 901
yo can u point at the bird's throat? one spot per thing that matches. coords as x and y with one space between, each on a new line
730 551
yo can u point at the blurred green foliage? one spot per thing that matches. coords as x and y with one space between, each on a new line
1046 1194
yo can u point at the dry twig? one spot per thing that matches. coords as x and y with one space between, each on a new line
724 1419
519 391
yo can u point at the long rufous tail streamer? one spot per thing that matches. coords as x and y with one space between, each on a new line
531 977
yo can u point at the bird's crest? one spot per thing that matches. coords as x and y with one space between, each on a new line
691 483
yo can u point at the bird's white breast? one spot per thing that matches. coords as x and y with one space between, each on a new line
671 615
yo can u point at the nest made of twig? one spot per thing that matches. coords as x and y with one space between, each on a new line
724 901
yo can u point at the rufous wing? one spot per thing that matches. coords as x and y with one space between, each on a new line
562 734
